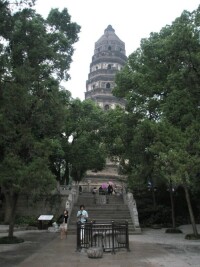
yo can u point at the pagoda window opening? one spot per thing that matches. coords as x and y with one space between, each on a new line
106 107
109 48
108 85
109 67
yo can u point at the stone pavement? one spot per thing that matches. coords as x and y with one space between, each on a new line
153 248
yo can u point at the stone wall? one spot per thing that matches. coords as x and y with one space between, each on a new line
53 204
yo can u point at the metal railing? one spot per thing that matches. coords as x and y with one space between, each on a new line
111 236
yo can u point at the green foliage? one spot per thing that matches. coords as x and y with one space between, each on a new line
33 107
83 121
113 132
161 85
53 200
63 34
35 55
150 216
26 220
86 150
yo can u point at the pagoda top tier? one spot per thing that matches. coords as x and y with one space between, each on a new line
109 41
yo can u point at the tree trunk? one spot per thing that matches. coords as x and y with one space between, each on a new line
187 195
154 198
8 207
11 204
58 185
153 190
172 207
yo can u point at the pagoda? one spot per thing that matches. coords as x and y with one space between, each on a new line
109 58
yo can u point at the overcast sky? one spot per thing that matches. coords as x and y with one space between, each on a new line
131 19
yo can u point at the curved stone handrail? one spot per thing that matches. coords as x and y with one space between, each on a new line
72 198
130 201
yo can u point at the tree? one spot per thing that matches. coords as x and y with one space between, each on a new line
161 83
113 133
86 152
167 142
35 54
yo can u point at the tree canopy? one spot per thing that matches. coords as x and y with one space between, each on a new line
35 55
161 84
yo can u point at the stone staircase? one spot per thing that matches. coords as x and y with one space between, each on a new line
101 210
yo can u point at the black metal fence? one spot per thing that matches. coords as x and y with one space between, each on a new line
110 236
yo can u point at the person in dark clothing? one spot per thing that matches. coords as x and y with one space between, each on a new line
110 189
100 190
80 189
63 224
94 190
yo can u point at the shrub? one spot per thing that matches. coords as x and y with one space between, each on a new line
192 237
26 220
173 231
149 216
10 240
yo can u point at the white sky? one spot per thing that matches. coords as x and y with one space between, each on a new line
131 19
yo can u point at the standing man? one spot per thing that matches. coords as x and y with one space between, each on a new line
82 214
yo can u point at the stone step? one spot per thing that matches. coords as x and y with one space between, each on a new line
100 202
90 195
109 200
104 206
114 209
105 213
92 201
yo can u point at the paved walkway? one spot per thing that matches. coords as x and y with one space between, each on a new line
153 248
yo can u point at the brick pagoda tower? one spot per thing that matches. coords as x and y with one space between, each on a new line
109 57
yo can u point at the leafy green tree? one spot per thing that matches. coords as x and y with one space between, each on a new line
113 133
35 55
80 147
166 142
161 83
86 152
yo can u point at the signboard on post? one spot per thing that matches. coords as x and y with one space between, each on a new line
45 218
44 221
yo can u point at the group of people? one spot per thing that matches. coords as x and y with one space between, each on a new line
82 217
102 191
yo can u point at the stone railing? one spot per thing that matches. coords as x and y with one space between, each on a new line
131 203
72 198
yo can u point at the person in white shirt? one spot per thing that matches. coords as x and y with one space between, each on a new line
82 214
